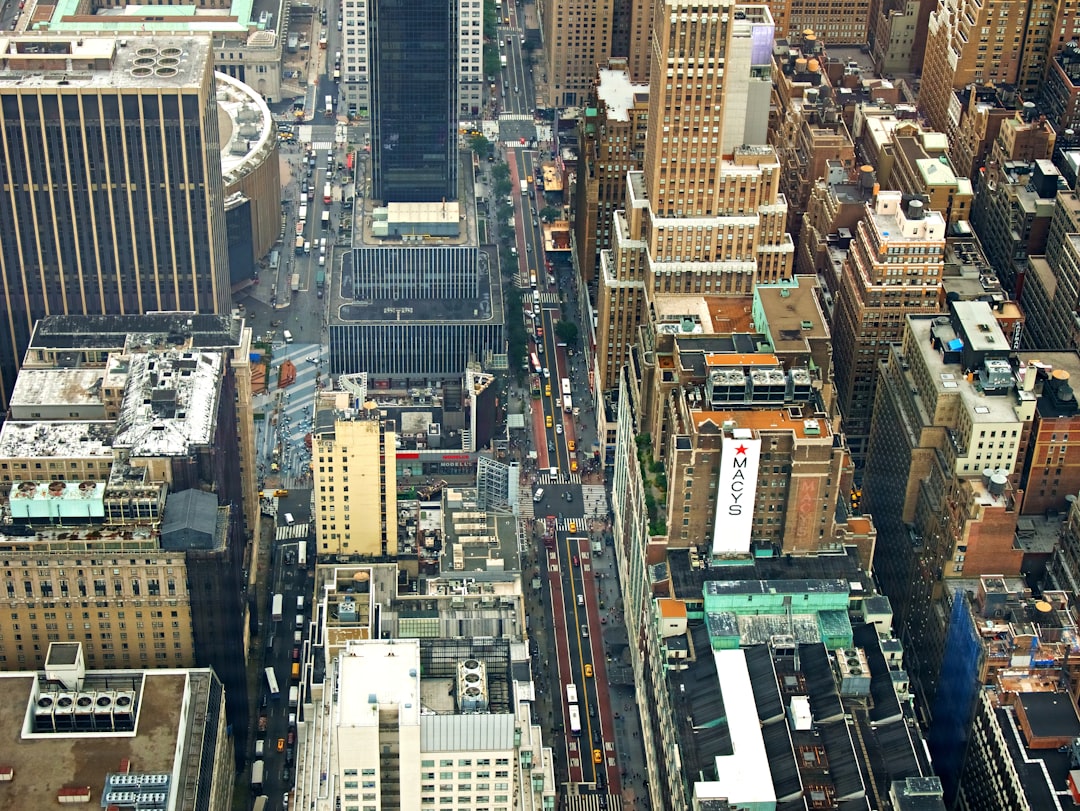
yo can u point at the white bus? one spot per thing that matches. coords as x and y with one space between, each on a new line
575 721
571 694
301 554
535 362
271 683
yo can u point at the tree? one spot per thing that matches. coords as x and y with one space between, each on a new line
550 213
480 145
501 172
567 332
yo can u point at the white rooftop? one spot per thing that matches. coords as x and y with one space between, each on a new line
379 672
170 403
617 92
56 439
57 387
475 732
247 128
745 779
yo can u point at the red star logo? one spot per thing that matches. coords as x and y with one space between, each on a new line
741 449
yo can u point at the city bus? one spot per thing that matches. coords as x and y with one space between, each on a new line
535 362
271 683
575 721
301 554
571 694
565 383
327 193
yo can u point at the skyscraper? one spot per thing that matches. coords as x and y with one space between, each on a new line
113 203
705 216
414 76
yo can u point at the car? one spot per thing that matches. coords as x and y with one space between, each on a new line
285 800
281 744
558 428
547 390
597 756
312 360
568 496
573 526
547 420
296 654
570 445
547 373
588 670
575 559
292 738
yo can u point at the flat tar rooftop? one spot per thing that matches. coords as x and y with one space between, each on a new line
102 62
134 331
46 763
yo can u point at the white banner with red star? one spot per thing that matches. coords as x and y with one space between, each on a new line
735 497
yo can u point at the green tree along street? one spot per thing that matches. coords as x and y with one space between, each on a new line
550 213
481 146
567 332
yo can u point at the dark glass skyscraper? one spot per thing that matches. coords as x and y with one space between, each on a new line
113 200
414 47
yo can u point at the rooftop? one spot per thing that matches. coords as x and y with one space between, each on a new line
246 125
762 420
475 540
66 387
57 332
170 403
491 732
379 672
948 379
103 62
44 764
791 313
68 15
1050 714
56 439
619 94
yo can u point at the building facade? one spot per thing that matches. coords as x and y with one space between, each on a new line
354 472
685 228
413 49
1051 289
577 38
118 199
892 269
613 143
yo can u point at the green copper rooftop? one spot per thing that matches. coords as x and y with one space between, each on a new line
173 19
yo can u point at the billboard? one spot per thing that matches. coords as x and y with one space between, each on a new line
735 496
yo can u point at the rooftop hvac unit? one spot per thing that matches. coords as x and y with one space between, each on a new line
854 672
84 710
64 717
472 687
44 708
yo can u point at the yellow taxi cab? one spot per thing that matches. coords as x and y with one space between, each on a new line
547 390
573 465
530 179
281 744
547 420
573 526
588 670
597 756
570 445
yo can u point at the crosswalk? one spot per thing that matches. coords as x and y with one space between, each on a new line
291 533
525 503
322 145
594 499
515 117
562 478
549 298
592 802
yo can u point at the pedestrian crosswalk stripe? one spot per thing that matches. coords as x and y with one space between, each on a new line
564 478
515 117
592 802
323 145
549 298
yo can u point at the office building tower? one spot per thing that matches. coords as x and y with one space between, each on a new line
809 132
948 422
355 60
414 107
577 38
386 717
127 464
110 150
838 22
686 227
892 269
1014 204
122 738
470 72
355 480
417 314
612 137
973 43
1050 294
